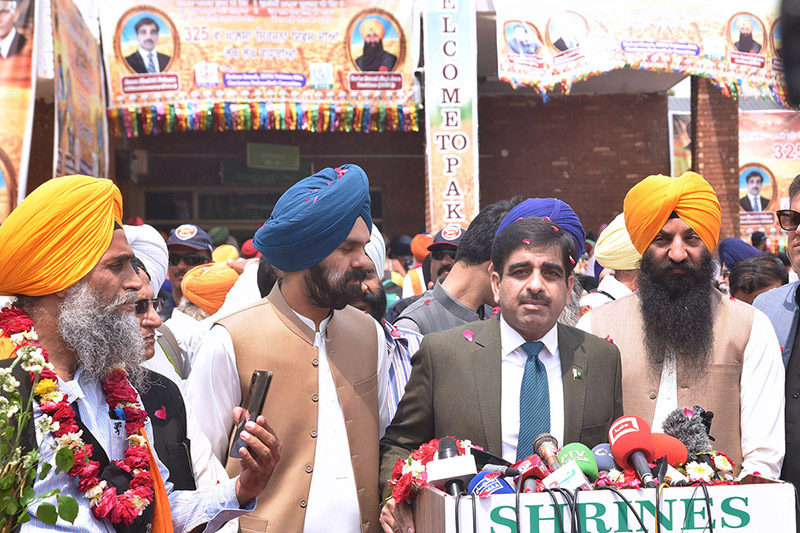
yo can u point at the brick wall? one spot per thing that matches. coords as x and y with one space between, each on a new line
715 150
586 150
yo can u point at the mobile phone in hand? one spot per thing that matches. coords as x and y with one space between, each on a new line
253 405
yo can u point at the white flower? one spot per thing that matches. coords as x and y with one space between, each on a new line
699 471
139 503
52 397
95 494
8 382
46 425
136 440
721 463
24 336
7 408
70 440
616 475
414 466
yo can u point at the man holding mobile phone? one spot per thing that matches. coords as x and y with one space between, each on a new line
328 397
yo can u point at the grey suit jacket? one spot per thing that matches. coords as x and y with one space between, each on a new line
454 390
780 306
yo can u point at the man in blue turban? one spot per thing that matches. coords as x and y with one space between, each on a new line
328 360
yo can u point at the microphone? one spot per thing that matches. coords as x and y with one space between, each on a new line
483 458
546 446
632 445
603 457
451 470
531 468
487 482
671 448
689 428
569 476
505 471
582 455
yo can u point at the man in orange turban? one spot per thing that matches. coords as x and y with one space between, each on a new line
682 343
374 58
207 285
64 255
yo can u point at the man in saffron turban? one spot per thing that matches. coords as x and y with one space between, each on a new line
682 342
374 58
65 257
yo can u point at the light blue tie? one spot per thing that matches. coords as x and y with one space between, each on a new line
151 66
534 400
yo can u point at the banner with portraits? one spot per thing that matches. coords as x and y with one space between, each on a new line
80 137
17 66
735 43
315 65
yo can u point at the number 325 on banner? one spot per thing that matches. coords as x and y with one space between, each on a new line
195 33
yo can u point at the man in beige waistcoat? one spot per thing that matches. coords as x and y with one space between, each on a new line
328 399
682 342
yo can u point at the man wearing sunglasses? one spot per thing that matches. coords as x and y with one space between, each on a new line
782 306
682 342
188 247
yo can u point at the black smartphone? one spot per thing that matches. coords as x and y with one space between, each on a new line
253 405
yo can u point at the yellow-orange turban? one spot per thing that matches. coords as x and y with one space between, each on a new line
372 25
649 204
57 235
614 248
206 285
224 252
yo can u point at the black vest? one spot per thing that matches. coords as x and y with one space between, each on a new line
164 405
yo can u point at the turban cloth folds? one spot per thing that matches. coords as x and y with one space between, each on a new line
649 204
151 249
224 252
207 285
555 210
314 217
614 248
732 250
372 25
419 246
376 251
57 235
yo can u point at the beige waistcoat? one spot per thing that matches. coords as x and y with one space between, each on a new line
718 391
268 335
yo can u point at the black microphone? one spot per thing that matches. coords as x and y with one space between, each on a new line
546 447
450 469
505 471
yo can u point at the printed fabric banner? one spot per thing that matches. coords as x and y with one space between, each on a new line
314 65
451 94
16 100
769 159
735 43
80 132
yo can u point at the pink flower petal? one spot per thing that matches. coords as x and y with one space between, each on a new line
468 335
526 241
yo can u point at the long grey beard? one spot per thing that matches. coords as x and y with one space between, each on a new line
102 336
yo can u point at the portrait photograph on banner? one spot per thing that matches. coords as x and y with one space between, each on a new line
16 98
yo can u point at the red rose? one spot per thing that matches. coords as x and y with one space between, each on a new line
118 389
402 490
137 457
66 425
46 373
142 492
142 479
397 471
88 482
123 512
134 419
14 320
107 502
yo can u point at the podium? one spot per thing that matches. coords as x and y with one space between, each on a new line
742 508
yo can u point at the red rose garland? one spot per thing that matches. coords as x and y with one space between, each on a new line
60 420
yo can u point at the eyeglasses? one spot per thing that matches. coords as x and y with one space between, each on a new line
190 259
788 219
142 306
440 254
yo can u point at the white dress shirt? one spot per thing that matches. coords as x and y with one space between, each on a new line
213 388
5 42
513 358
761 396
609 285
146 58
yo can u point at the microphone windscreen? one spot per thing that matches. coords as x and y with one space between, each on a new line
630 434
582 455
671 448
603 457
493 484
483 458
447 448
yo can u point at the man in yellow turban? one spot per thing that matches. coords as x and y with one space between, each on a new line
614 251
64 255
683 343
207 285
374 57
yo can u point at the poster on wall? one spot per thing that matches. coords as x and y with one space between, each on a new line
769 159
451 93
323 65
680 135
735 44
16 99
81 144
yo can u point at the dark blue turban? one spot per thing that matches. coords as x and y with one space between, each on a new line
556 210
732 250
314 217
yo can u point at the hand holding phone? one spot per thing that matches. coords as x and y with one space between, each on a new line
253 405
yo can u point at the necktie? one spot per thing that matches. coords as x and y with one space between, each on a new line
756 207
151 66
534 400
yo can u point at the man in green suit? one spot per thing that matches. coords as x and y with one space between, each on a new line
479 381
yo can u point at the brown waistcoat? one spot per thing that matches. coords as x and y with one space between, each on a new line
268 335
718 391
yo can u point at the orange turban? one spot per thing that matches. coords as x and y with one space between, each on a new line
649 204
57 235
372 25
224 252
207 285
419 246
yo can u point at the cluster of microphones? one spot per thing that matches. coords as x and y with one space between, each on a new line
654 457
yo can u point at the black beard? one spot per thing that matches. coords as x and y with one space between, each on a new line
678 313
374 304
372 56
746 42
332 290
